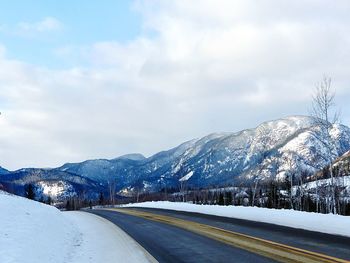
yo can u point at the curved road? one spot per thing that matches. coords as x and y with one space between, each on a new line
168 243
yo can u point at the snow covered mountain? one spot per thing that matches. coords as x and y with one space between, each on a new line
274 148
3 171
270 150
50 182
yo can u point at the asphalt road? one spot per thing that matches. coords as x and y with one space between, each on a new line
167 243
171 244
332 245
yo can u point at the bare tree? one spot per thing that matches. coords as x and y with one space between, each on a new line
183 190
261 139
289 161
163 181
256 182
322 104
112 190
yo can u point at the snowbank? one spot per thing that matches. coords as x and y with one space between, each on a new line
331 224
102 241
33 232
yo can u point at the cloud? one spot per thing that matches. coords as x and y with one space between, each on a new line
195 69
2 51
31 29
48 24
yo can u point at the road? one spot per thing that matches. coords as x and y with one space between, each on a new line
169 243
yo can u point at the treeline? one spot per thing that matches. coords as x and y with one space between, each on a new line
276 194
303 192
269 195
103 199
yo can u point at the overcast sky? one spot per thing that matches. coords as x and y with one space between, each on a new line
98 79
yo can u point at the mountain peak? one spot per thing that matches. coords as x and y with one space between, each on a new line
132 156
3 171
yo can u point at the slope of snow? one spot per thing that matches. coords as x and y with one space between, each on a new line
102 241
33 232
338 181
22 238
55 189
325 223
342 182
186 177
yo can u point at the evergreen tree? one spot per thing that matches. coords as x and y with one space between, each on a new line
68 206
221 199
29 191
49 200
229 198
272 194
101 199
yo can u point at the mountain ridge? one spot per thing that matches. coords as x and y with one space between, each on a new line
216 159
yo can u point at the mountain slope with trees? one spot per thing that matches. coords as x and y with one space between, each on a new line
291 147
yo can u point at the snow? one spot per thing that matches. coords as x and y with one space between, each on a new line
34 232
22 238
100 235
325 223
339 181
186 177
273 149
53 189
343 182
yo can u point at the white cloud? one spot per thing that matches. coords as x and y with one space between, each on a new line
216 66
48 24
2 51
32 29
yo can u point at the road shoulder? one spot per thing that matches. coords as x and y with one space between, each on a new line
101 241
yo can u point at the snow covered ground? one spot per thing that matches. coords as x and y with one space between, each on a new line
32 232
338 181
101 241
332 224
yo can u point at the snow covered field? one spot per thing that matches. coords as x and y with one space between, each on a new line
32 232
331 224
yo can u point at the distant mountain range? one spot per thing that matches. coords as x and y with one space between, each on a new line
3 171
268 151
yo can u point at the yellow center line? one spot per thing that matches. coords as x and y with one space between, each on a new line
270 249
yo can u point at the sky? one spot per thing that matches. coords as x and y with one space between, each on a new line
98 79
